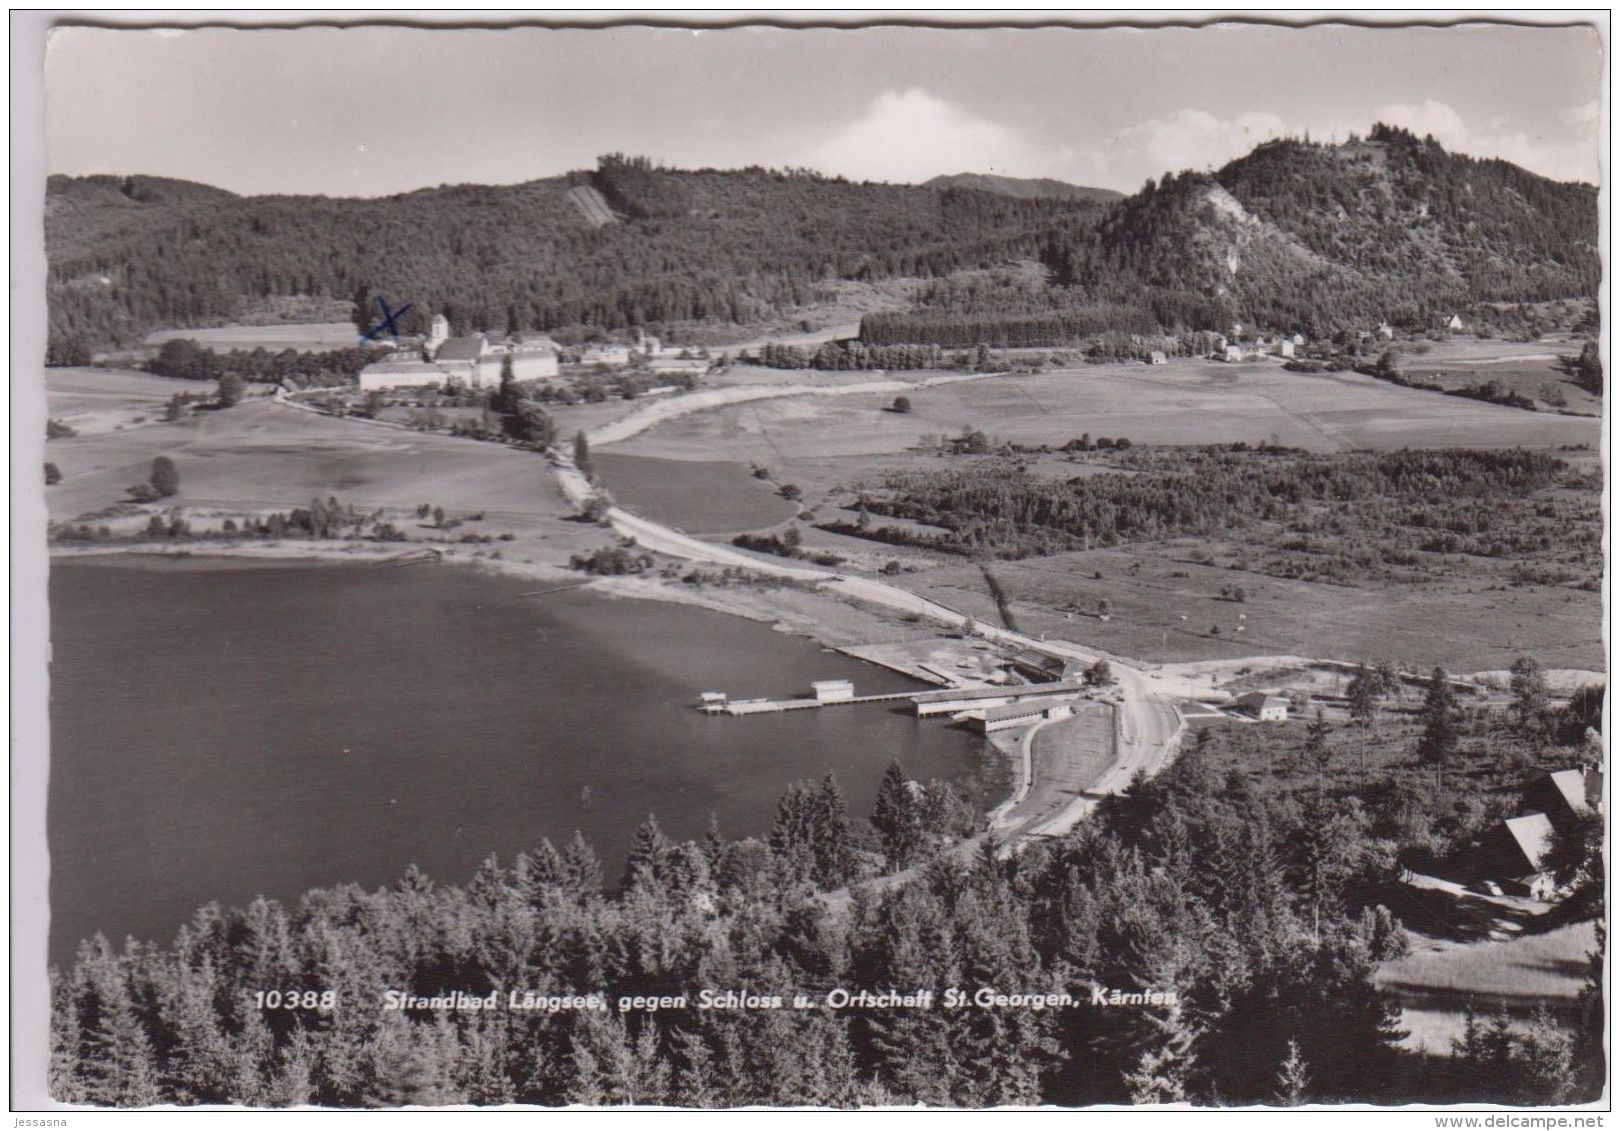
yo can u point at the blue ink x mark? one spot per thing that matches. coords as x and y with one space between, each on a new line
389 323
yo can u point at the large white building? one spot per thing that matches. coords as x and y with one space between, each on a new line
469 361
530 362
406 373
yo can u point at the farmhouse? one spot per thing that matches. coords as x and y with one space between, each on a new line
1019 714
1157 358
1259 705
1284 348
1566 794
1385 331
1298 339
1514 851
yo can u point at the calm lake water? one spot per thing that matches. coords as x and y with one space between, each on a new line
223 729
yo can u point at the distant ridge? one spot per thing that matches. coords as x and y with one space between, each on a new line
1296 234
1024 188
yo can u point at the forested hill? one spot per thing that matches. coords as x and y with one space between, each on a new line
1391 226
131 254
1294 235
1024 187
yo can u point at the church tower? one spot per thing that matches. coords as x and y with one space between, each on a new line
439 334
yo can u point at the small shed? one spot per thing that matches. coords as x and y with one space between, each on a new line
1157 358
1385 331
833 690
1455 322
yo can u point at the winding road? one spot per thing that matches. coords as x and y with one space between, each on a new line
1149 724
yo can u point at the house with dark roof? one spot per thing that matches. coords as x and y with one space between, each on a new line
1565 795
1259 705
1514 853
1039 666
469 347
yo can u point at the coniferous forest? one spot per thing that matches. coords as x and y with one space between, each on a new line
1248 904
1296 235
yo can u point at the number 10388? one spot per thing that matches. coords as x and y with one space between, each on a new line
295 999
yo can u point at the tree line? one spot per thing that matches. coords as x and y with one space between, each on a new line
185 359
1436 501
1247 909
735 247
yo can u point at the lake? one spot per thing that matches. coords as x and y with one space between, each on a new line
225 728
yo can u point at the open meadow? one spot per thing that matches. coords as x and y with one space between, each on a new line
261 456
105 400
1529 369
1189 401
305 337
1464 625
1436 986
1169 598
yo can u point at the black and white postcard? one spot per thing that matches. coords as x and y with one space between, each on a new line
694 564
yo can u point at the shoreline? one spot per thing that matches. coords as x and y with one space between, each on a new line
640 588
728 602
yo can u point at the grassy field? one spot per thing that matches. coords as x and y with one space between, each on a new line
305 337
105 400
699 498
1548 965
1476 619
260 456
1465 625
1185 402
1434 987
1530 369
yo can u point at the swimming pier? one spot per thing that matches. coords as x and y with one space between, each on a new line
957 701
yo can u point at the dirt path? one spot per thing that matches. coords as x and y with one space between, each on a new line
1149 726
657 412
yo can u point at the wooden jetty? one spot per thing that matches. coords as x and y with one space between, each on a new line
713 705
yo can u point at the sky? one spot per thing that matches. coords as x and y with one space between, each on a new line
372 111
